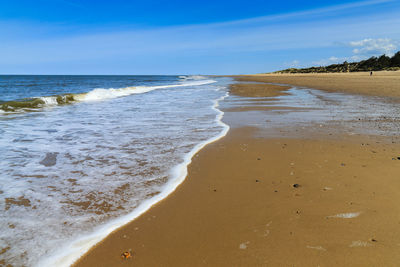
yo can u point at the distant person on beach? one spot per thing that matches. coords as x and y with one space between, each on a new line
370 74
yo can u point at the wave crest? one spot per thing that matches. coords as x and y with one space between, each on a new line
97 94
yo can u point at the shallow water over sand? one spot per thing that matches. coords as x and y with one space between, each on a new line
304 107
66 170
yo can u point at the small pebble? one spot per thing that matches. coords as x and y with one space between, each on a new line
126 255
296 185
257 181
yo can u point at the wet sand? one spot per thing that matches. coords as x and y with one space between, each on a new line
311 197
381 83
258 90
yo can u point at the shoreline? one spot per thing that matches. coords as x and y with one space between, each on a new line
78 248
159 218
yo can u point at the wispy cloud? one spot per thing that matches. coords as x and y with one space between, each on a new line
207 48
337 60
328 61
307 13
293 64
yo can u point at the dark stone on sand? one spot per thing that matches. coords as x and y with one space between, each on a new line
50 159
215 190
257 181
296 185
258 158
276 191
374 240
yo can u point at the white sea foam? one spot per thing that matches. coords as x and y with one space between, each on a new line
102 94
192 77
49 100
75 249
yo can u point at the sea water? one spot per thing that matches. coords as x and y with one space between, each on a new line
82 155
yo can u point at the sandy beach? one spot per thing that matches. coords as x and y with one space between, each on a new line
381 83
291 194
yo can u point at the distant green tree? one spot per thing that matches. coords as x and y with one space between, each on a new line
368 64
395 60
383 62
371 64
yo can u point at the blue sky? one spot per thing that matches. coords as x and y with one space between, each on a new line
202 37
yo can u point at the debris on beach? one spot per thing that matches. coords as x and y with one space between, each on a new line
126 255
346 215
359 243
244 245
317 248
296 185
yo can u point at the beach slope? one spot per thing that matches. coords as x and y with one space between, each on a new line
312 197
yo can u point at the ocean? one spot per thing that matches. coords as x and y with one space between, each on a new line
83 155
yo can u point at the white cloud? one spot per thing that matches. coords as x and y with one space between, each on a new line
292 64
364 49
329 61
374 47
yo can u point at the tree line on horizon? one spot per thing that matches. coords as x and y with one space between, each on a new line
372 64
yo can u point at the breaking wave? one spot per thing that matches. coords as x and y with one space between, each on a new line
192 77
97 94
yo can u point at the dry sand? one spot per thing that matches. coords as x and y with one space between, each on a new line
262 201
